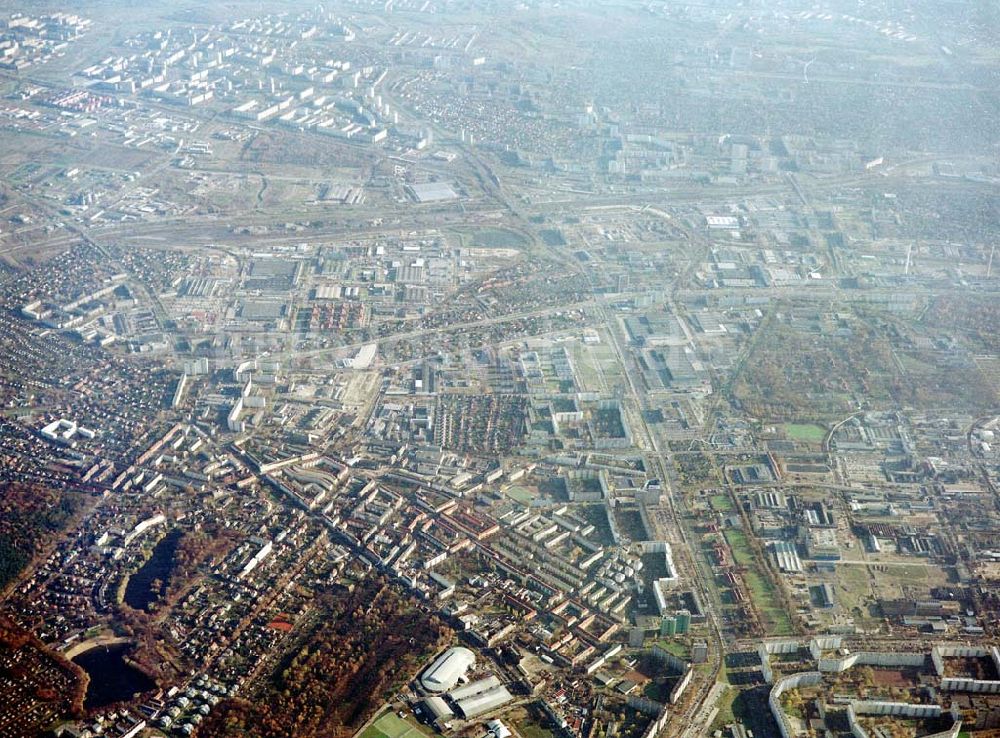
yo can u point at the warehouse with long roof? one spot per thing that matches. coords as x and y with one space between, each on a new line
447 669
484 699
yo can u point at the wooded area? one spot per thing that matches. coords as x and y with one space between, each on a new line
370 642
30 514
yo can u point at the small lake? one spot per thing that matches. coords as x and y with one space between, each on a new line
111 678
139 591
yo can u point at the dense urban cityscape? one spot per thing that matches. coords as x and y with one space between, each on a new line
487 369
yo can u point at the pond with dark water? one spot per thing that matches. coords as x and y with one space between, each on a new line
112 678
140 593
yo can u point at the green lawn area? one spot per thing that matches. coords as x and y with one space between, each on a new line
893 581
584 368
853 588
722 503
521 494
725 705
805 432
762 591
677 648
738 542
490 238
909 573
391 725
605 360
531 730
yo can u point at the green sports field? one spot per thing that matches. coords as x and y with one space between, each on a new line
806 432
391 725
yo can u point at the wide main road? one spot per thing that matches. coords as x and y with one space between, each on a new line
450 328
683 721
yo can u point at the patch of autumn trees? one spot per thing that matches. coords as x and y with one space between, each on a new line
369 643
798 374
30 516
208 545
976 315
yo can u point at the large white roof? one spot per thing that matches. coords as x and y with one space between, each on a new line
482 702
474 688
447 669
